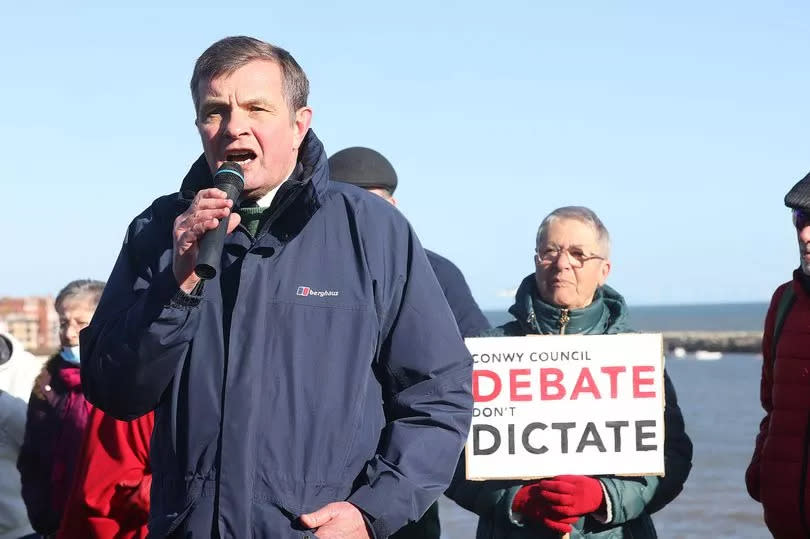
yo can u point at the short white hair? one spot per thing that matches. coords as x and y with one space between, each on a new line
583 215
81 288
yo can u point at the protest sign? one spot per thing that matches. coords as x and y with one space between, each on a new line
566 404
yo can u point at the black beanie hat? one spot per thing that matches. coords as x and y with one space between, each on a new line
364 168
798 198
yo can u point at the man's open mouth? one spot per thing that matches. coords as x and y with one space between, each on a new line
241 157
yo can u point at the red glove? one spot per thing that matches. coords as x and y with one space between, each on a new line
523 498
571 495
532 508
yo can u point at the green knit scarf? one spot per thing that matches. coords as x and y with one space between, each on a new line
252 216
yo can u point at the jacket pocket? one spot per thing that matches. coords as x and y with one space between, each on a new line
274 518
166 524
173 500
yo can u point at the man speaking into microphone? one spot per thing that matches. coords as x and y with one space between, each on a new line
314 383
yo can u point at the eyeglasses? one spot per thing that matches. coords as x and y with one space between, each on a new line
576 256
801 219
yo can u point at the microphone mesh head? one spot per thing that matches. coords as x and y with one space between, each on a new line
230 173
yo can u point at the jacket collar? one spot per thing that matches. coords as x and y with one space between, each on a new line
801 282
607 313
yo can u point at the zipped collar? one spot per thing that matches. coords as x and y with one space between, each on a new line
606 314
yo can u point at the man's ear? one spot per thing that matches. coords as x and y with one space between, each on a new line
303 118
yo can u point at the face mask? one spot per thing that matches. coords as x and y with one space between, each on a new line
70 354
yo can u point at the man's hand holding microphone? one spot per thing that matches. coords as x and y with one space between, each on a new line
199 232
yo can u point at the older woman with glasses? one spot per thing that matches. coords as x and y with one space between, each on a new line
567 294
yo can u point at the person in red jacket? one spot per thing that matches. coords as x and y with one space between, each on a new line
57 414
110 496
779 475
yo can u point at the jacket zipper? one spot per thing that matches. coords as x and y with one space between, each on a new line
564 319
531 321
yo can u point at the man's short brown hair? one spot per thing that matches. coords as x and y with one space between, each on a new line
229 54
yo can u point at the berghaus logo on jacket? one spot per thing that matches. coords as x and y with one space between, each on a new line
307 291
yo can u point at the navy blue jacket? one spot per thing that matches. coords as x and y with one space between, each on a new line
305 374
471 323
469 318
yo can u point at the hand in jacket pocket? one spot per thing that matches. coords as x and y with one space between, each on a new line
337 520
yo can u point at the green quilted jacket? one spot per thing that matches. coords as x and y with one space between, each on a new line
632 499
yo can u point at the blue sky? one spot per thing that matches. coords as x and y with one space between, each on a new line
682 126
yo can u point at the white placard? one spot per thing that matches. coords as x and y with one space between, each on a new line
547 405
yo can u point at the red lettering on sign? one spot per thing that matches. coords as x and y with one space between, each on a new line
546 383
638 381
585 384
477 396
515 384
613 372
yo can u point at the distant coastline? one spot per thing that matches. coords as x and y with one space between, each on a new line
741 342
727 328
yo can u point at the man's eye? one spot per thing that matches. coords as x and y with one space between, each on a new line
577 254
211 114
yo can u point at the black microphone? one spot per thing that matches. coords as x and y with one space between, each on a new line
228 178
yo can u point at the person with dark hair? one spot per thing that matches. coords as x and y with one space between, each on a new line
778 476
370 170
57 414
567 294
318 384
18 370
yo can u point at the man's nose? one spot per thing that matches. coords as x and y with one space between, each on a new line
236 124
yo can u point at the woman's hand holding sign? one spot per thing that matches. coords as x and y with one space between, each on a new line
533 509
573 495
560 501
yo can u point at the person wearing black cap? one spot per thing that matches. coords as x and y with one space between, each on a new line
778 476
371 171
